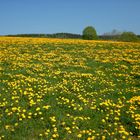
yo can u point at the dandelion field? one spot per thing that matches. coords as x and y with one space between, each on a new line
58 89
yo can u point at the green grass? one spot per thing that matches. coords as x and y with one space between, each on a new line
90 90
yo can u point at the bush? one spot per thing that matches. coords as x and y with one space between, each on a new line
89 33
129 37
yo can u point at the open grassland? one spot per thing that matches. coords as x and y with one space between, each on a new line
54 89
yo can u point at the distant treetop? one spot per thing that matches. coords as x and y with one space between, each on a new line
129 37
89 33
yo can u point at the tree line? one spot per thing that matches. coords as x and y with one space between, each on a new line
55 35
89 33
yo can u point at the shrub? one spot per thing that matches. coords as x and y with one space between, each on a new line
89 33
129 37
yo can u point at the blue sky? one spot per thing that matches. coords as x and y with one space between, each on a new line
51 16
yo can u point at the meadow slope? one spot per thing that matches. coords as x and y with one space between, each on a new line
69 89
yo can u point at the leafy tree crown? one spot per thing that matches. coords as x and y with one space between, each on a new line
89 33
129 36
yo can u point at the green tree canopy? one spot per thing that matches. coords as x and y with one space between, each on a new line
89 33
129 36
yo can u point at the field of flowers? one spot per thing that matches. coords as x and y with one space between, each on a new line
56 89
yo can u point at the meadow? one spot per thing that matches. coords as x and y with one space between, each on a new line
58 89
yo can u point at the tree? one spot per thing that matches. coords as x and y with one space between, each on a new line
89 33
129 37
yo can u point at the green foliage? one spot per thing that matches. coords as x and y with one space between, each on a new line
55 35
89 33
128 37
